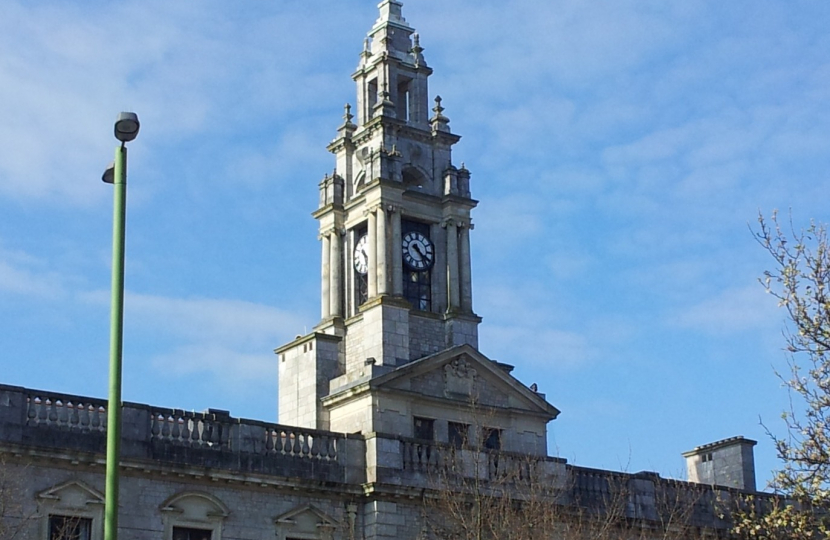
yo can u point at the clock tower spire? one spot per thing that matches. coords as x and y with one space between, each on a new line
394 224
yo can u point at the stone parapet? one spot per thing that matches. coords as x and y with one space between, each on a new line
50 421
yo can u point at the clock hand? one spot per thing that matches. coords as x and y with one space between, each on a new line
417 248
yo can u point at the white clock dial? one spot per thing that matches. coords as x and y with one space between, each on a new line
361 256
418 251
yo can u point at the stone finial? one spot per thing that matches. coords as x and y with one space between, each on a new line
438 108
417 51
439 121
347 128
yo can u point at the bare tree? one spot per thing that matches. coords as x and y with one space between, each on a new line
482 494
800 281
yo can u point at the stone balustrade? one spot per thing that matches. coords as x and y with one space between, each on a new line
75 426
213 438
65 412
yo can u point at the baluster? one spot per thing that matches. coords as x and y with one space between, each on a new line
215 433
42 411
165 428
332 448
305 449
83 412
32 406
207 429
96 417
154 425
63 413
53 411
186 423
279 447
176 430
269 440
102 412
297 447
195 433
74 419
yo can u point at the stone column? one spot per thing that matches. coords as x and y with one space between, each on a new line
452 266
397 253
372 248
383 279
465 267
325 278
336 265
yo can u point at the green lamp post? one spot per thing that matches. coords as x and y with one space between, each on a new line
126 129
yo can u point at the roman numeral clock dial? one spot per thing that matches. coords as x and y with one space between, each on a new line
361 256
418 251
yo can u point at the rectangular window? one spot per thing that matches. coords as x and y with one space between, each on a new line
424 428
491 437
70 528
188 533
458 434
372 97
402 103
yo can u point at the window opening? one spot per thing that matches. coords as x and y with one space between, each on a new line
372 98
189 533
402 103
491 438
70 528
424 428
458 434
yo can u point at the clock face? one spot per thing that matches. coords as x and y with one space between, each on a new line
418 251
361 256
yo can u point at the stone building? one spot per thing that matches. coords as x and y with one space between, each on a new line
387 405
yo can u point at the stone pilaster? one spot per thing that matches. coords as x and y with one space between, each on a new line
372 248
336 265
465 267
397 252
452 266
325 293
382 277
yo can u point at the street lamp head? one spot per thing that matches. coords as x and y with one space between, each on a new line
126 126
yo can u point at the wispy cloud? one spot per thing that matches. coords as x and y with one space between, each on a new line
227 339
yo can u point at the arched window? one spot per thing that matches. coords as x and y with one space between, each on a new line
193 515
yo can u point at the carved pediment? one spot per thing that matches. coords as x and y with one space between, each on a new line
464 374
73 493
305 521
460 377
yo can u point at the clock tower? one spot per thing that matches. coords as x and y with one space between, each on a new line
394 226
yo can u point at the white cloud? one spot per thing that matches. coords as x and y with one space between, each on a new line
23 274
730 311
236 370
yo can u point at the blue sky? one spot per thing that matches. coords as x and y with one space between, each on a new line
619 150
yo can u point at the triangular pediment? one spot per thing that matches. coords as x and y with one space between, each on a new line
306 518
73 493
464 374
